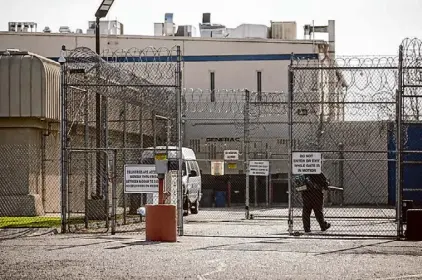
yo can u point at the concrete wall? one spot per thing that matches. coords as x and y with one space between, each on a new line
29 184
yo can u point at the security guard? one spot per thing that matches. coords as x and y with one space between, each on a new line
312 187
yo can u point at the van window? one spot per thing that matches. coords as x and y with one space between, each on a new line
193 165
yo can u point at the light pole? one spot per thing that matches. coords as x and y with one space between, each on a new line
102 12
101 136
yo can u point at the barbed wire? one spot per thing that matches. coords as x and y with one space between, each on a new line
412 51
347 62
231 100
130 81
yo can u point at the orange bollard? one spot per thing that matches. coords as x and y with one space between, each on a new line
161 223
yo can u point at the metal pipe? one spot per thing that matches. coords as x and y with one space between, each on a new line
43 168
98 116
124 157
399 148
267 191
290 147
246 151
86 155
114 195
255 187
63 144
180 143
341 169
105 181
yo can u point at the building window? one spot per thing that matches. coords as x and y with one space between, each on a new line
212 86
259 85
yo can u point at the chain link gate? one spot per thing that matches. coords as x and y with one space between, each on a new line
343 111
409 129
114 108
253 127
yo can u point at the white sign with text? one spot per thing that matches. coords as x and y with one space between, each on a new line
140 178
259 168
306 163
231 155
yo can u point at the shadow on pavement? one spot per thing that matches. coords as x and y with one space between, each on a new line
135 243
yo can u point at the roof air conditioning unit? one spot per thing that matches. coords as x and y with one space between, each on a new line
64 29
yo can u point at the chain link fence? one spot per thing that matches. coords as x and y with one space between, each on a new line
115 109
343 112
29 165
358 118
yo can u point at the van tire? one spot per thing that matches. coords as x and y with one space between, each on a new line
194 209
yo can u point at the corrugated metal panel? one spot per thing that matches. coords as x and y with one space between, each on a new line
29 87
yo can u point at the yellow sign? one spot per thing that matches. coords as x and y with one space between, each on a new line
160 157
231 165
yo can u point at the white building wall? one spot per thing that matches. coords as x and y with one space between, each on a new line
218 55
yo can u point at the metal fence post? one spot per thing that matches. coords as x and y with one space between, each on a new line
179 142
124 155
114 194
86 156
399 146
341 169
63 141
246 150
106 191
290 146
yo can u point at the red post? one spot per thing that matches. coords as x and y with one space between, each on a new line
229 193
160 191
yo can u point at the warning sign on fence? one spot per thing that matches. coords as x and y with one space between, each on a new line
140 178
231 155
306 163
259 168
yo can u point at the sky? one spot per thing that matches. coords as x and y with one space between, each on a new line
363 27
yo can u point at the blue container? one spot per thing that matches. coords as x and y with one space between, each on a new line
220 199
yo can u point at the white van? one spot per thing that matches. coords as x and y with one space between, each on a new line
191 175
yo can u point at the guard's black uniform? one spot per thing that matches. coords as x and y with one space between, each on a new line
313 199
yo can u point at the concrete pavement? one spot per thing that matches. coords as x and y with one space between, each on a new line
128 256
